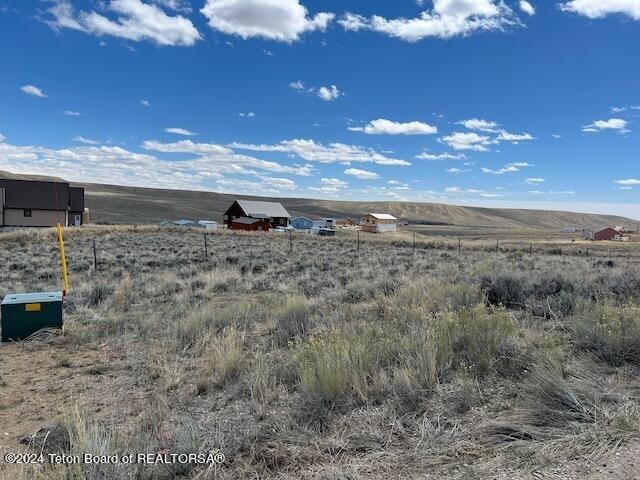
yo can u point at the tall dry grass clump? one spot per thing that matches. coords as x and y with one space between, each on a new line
292 320
610 332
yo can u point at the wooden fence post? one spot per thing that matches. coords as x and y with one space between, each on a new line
290 241
530 249
358 237
497 245
414 243
459 246
95 256
206 247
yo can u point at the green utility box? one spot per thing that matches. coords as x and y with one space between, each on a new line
23 314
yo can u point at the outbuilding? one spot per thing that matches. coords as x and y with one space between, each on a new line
302 223
251 224
379 223
208 224
607 234
273 213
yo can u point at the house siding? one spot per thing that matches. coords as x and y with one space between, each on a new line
14 217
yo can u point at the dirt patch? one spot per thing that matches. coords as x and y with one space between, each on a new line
40 382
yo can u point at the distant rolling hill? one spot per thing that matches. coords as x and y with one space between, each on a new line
117 204
120 204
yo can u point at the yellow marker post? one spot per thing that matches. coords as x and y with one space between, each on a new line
63 261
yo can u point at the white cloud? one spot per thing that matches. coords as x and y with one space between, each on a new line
280 20
628 181
176 5
535 180
472 191
382 126
145 103
467 141
279 183
33 91
329 93
552 192
180 131
247 114
601 8
223 159
134 20
85 140
361 174
330 186
316 152
504 136
492 127
625 108
186 146
479 124
334 183
457 170
325 93
103 164
440 156
297 85
353 22
527 8
448 18
71 113
612 124
508 168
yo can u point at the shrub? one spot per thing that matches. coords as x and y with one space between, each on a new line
224 358
98 294
197 325
123 294
292 320
558 397
480 337
504 289
612 333
329 369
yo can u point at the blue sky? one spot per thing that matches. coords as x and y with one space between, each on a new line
478 102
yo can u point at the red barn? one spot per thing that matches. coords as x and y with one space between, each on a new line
245 223
607 234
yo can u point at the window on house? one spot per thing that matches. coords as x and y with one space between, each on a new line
27 213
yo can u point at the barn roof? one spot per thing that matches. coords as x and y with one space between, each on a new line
383 216
263 209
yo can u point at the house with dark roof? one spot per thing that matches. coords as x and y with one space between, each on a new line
28 203
272 213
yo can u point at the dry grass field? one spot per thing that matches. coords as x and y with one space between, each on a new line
326 362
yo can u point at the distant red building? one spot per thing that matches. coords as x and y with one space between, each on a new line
252 224
607 234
